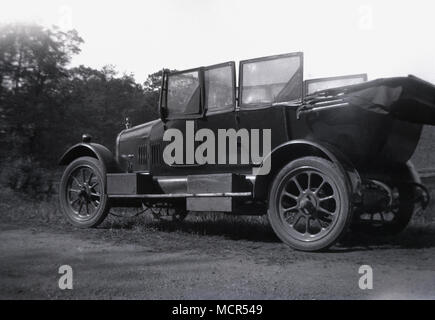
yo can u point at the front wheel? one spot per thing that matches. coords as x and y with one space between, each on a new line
309 204
83 198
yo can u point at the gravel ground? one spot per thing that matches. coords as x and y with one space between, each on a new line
202 258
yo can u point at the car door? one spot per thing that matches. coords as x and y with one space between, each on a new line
181 106
264 85
220 104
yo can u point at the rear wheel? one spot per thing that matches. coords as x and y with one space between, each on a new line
309 204
83 198
389 221
169 213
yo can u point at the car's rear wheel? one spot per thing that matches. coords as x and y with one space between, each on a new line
83 199
389 221
175 213
309 204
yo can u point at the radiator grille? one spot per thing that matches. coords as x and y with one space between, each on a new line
143 154
156 154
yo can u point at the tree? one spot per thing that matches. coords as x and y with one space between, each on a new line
45 106
106 99
33 63
153 82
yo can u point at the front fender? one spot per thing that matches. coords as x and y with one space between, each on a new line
94 150
295 149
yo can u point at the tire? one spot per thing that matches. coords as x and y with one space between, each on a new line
82 194
314 190
401 216
176 214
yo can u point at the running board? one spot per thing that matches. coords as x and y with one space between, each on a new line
212 192
182 195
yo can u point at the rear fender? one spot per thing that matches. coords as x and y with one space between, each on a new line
412 174
292 150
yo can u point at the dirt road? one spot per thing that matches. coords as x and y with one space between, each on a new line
173 264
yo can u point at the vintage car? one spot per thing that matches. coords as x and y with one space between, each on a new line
338 153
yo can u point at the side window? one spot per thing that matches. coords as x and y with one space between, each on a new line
219 83
314 85
271 79
183 94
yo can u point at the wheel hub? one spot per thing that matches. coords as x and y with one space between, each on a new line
308 204
85 191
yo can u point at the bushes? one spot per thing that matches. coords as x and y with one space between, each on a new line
28 178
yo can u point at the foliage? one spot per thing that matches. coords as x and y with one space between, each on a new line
26 177
45 105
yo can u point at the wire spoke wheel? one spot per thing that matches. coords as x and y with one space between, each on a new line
168 213
389 221
308 204
82 193
380 218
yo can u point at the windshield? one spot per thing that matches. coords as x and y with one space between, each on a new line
219 87
271 80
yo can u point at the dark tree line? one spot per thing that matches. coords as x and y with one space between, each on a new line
45 105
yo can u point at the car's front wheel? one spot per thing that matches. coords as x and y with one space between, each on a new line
83 199
309 204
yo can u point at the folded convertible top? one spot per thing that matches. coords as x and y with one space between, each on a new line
406 98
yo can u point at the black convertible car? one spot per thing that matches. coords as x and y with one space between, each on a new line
334 152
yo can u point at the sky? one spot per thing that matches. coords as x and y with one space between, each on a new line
381 37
